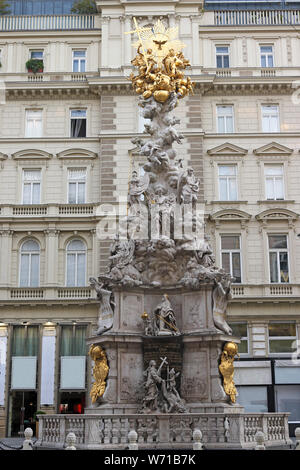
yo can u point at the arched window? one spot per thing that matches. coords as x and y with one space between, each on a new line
76 263
30 264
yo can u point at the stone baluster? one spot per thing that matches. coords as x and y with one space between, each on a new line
107 431
132 438
260 441
297 435
71 441
197 437
27 443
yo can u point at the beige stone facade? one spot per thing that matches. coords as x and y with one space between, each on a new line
107 157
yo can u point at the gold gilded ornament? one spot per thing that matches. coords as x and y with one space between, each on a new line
226 368
100 372
160 62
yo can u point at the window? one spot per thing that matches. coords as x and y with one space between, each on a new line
78 123
76 185
30 264
281 337
31 186
33 123
231 256
76 264
266 56
253 399
274 182
278 255
241 331
270 118
39 55
225 119
222 57
79 61
228 182
73 340
25 341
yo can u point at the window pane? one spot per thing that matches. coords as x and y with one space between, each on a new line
270 188
30 245
81 269
270 61
223 189
277 241
232 189
27 193
34 274
75 66
266 48
279 193
18 341
281 345
226 262
36 55
230 242
227 170
78 113
32 346
66 344
221 124
239 329
236 267
284 267
78 53
229 124
76 245
79 341
243 347
71 259
72 193
219 62
24 271
282 329
288 400
273 267
254 399
263 61
35 193
81 193
226 61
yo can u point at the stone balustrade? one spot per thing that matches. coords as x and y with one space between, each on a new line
51 210
257 17
48 22
163 431
23 294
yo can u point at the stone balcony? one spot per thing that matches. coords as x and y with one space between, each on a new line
248 292
43 294
47 210
253 72
49 22
253 17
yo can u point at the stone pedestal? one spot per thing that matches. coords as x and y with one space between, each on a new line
195 353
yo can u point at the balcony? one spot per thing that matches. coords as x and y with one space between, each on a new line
48 210
253 72
265 291
44 294
49 23
257 17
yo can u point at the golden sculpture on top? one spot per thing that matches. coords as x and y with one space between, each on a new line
226 368
160 62
100 372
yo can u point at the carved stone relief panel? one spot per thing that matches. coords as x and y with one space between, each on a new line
132 307
195 377
131 377
194 312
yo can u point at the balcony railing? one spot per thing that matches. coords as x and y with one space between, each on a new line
265 290
36 294
48 210
49 22
259 72
256 17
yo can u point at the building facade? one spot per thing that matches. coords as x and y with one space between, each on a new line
66 161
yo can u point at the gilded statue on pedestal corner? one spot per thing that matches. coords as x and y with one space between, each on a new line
100 372
227 369
160 62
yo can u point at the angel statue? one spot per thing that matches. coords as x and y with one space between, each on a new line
188 187
221 296
100 372
137 186
107 305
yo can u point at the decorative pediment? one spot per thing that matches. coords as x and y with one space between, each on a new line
227 149
277 214
77 154
230 215
32 154
273 149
